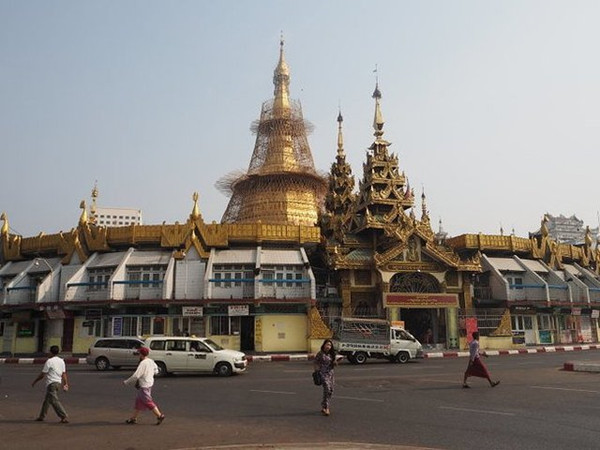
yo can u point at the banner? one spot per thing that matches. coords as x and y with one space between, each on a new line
420 300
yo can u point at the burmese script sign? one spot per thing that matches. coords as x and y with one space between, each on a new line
421 300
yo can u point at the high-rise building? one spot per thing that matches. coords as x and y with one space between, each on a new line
105 216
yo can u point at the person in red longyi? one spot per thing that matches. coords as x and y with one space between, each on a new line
476 367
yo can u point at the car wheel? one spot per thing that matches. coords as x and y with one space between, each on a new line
402 357
360 357
223 369
351 359
162 369
102 363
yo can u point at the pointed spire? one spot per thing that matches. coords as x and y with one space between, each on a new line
281 80
94 197
378 119
423 204
340 140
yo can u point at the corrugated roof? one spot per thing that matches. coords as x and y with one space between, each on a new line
281 257
571 269
535 265
14 269
507 264
360 254
107 260
239 256
149 258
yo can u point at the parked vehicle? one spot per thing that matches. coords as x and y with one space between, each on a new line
360 339
193 354
114 352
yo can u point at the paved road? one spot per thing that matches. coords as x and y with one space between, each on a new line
537 406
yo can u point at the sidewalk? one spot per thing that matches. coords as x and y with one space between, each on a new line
279 357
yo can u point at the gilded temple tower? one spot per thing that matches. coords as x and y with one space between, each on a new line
340 197
384 193
281 185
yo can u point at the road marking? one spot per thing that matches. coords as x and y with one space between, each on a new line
360 399
477 411
273 392
565 389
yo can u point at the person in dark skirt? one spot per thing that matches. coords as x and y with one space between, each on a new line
324 362
476 367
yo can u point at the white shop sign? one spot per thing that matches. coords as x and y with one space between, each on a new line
192 311
238 310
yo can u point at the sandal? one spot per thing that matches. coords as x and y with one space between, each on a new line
466 386
64 420
131 421
495 383
160 419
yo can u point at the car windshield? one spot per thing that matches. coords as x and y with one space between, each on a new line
213 345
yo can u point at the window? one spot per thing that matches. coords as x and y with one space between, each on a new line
217 277
225 325
146 326
157 345
129 326
1 328
99 278
159 325
176 346
515 282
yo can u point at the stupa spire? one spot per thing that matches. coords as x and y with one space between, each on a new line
281 80
340 139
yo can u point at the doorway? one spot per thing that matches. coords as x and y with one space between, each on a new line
247 334
67 337
428 325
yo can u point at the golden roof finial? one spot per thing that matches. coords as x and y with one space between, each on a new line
4 225
195 211
94 197
340 140
83 219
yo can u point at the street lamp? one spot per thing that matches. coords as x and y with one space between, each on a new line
36 263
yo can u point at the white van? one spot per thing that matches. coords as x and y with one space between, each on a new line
194 354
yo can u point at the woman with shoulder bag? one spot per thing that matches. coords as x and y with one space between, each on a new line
324 363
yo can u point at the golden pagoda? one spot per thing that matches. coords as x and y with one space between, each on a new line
281 185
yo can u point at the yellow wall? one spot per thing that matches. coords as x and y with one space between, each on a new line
26 345
81 344
230 342
492 343
282 333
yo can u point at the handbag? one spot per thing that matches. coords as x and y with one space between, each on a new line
317 378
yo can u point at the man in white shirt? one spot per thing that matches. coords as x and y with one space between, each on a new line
143 378
55 373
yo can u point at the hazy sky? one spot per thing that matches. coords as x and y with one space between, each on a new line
492 106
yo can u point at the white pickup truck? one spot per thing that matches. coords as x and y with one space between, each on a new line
360 339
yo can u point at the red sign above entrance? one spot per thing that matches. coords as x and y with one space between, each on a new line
418 300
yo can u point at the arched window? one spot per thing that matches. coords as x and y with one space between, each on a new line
414 282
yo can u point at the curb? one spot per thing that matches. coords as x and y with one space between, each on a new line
310 356
581 366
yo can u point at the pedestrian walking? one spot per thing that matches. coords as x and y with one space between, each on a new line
476 367
143 378
324 362
55 372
